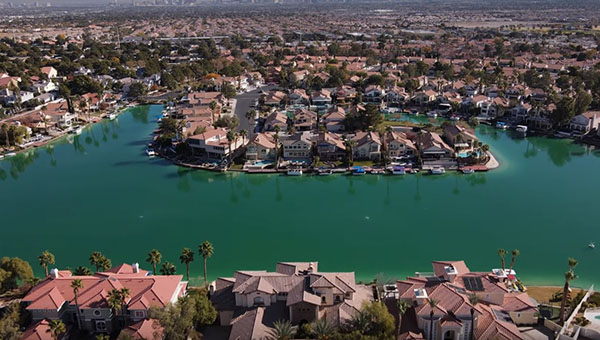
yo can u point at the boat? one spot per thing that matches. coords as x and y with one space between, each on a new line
1 156
76 131
294 172
454 118
358 171
150 152
467 170
501 126
437 170
377 171
324 172
521 130
111 115
591 245
398 170
432 114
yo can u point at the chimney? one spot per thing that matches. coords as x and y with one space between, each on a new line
136 267
310 267
54 273
211 289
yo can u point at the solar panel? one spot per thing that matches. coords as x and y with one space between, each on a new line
473 284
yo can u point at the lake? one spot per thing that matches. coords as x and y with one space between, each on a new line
100 192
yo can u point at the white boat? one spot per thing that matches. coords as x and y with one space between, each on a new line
10 154
501 125
521 128
1 156
111 116
432 114
324 172
150 152
437 170
294 172
454 118
467 171
76 131
398 170
592 245
377 172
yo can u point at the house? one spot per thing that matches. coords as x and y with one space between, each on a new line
261 147
330 146
249 302
425 97
431 146
49 71
53 298
40 331
345 95
334 119
146 329
501 309
274 98
44 87
459 137
373 94
298 145
399 145
367 145
396 96
321 98
493 108
585 122
305 120
213 143
276 119
299 97
58 113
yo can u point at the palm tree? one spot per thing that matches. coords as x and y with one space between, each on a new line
243 134
76 285
206 250
154 258
124 295
515 254
402 308
187 257
432 304
43 117
114 302
251 115
96 259
5 130
322 329
102 337
349 144
569 276
105 264
82 271
46 259
502 254
167 268
282 330
276 140
56 328
231 135
474 300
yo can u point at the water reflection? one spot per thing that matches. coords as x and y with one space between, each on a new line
140 114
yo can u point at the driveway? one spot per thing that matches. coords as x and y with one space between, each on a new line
536 333
244 103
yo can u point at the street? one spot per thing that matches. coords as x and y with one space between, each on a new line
244 104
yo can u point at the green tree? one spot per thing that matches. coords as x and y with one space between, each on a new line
205 312
137 90
582 101
105 264
502 254
96 259
569 276
46 259
432 305
565 109
375 321
206 250
282 330
187 257
14 271
515 253
82 271
177 319
228 91
154 257
403 307
231 137
9 322
56 328
473 300
167 268
322 329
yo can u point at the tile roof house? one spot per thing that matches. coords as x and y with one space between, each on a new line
39 331
330 146
145 330
431 145
261 147
53 298
251 301
501 307
213 143
368 145
585 122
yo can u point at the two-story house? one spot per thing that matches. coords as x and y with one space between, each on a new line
297 146
261 147
213 143
330 146
367 145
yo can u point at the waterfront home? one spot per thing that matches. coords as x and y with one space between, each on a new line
431 146
58 113
493 108
298 145
334 119
203 98
368 145
585 122
501 309
213 144
298 97
261 147
330 146
53 298
539 117
396 96
425 97
521 111
276 118
146 329
40 331
399 145
459 137
249 302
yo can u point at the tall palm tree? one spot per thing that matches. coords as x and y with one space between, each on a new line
206 250
403 306
502 254
167 268
349 144
243 134
76 285
474 300
46 259
124 294
251 115
187 257
7 140
114 303
432 304
276 140
96 259
154 258
322 329
569 276
105 264
56 328
282 330
231 136
515 254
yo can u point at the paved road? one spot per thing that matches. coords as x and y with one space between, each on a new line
244 104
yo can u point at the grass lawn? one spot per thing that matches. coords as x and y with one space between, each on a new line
364 163
542 294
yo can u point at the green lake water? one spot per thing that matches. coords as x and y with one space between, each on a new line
99 191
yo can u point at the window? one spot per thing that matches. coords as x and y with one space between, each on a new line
258 301
323 299
97 312
100 325
139 314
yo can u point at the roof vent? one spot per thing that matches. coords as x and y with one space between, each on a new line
136 267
